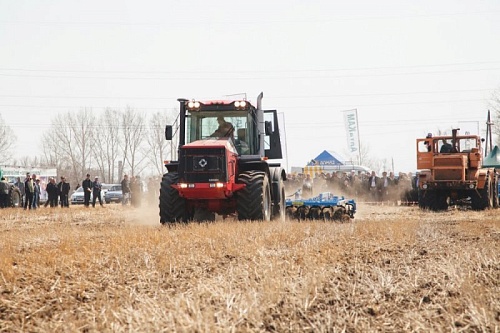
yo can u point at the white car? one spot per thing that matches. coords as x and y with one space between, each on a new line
77 198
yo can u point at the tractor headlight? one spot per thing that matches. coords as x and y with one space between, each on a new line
471 186
240 104
424 186
193 105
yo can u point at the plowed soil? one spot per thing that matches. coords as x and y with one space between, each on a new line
391 269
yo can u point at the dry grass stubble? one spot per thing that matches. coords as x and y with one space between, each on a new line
114 269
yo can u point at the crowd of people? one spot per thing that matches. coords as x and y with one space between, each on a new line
58 193
368 187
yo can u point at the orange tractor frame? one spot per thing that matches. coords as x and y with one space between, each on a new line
451 173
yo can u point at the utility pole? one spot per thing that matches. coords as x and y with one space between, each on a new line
489 135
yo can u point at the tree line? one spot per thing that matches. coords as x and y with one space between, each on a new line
107 144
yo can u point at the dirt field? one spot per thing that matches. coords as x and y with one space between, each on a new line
392 269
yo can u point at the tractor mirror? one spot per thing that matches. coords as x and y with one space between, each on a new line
168 132
268 127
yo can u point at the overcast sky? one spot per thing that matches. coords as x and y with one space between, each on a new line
408 67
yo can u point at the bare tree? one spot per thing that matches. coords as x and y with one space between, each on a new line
107 145
7 140
158 149
69 142
133 133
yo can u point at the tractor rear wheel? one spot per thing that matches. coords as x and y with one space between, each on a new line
172 205
280 205
495 193
253 202
483 198
14 197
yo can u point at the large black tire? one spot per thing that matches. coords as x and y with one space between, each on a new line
172 205
496 199
14 197
423 201
253 202
483 198
432 200
279 205
439 202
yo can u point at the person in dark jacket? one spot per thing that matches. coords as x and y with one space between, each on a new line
125 189
4 193
29 188
87 190
374 187
63 189
52 193
20 185
96 191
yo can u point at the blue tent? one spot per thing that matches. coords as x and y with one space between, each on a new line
327 158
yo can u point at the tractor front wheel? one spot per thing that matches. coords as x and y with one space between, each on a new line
253 202
172 205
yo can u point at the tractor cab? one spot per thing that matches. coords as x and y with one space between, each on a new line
236 126
249 129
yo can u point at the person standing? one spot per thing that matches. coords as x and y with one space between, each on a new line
4 193
20 185
87 190
374 186
36 194
136 191
96 191
125 189
52 193
29 187
63 189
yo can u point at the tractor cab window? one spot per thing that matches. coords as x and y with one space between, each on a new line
235 126
425 146
463 145
466 145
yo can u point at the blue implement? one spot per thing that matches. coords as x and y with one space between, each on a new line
323 206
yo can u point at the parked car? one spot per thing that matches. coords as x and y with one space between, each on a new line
114 194
77 198
105 188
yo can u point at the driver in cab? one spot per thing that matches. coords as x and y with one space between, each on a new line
225 128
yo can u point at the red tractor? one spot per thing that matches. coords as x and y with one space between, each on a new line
223 163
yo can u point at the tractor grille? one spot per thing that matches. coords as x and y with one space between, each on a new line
449 174
449 168
202 165
457 162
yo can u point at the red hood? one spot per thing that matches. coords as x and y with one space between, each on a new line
213 142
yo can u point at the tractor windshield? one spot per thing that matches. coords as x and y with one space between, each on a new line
464 144
237 126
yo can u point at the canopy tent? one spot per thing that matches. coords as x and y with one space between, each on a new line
493 159
326 158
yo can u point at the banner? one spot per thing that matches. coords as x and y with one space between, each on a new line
351 127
